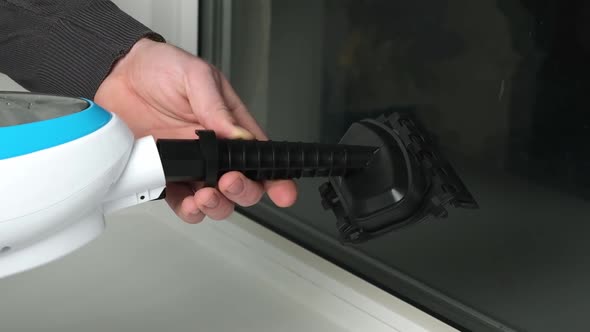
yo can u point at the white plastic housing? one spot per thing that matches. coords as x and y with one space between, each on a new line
53 201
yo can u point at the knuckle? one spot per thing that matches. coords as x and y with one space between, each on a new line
192 217
194 220
250 196
202 67
220 108
214 113
223 212
250 201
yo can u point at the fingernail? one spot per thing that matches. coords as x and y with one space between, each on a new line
213 202
236 187
241 133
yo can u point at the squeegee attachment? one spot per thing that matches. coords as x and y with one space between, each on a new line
406 182
384 173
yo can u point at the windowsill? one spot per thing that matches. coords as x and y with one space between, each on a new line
320 285
151 272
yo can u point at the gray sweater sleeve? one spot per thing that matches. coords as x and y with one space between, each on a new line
64 47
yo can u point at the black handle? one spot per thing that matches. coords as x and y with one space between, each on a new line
208 158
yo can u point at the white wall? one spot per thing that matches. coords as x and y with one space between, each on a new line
6 84
176 20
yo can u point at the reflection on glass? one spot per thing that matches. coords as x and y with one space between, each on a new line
502 86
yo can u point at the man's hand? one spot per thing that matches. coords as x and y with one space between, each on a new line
160 90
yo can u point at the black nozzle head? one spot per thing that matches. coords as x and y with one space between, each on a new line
406 181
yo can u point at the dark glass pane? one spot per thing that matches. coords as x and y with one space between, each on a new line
501 85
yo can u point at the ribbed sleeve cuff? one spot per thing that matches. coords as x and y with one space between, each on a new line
83 46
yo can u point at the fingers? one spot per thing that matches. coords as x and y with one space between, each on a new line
239 110
181 132
192 206
218 107
204 94
282 192
180 198
212 203
239 189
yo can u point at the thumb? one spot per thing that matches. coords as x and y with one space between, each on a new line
208 105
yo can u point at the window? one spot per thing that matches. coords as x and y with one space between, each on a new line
502 86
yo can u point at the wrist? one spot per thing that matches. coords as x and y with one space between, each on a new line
138 48
142 43
121 67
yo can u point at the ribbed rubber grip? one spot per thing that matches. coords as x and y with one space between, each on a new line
208 158
270 160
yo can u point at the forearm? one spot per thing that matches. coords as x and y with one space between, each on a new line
64 47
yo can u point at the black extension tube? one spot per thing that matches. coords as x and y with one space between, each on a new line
208 158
